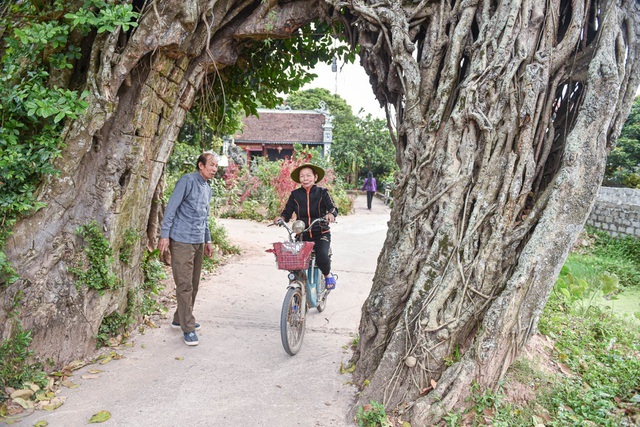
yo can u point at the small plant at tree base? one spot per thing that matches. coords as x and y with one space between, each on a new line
112 325
95 270
372 415
16 366
152 285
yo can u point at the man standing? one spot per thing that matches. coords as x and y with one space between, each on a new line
185 233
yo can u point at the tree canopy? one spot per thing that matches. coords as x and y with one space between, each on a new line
623 163
360 144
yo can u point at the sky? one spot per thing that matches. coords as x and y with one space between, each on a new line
352 84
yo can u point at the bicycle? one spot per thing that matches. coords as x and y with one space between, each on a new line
306 287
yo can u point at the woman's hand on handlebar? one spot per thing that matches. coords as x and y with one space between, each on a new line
278 221
329 217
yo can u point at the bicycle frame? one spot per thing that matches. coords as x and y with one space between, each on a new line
306 280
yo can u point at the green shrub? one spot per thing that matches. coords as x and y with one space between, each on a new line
372 415
112 325
94 269
221 245
152 285
618 255
16 360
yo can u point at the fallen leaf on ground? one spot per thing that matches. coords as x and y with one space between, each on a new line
24 393
50 405
32 386
89 377
75 365
26 404
106 360
70 384
94 371
41 423
348 369
100 417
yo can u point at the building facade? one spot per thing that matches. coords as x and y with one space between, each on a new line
274 132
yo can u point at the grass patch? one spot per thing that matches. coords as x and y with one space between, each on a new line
588 369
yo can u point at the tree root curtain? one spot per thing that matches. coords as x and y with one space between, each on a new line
505 112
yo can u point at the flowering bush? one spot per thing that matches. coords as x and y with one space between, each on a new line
268 184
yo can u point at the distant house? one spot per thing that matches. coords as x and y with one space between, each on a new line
274 132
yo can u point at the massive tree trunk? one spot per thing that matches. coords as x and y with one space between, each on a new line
141 85
505 113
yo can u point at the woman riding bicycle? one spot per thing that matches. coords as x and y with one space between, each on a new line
310 202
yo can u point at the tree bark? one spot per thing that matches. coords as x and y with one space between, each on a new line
505 114
141 85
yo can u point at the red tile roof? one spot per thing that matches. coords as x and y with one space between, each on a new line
282 127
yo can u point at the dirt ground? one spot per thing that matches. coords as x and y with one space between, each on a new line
239 374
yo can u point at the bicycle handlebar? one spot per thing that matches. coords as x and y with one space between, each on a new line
281 223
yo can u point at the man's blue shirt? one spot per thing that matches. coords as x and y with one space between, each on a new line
186 218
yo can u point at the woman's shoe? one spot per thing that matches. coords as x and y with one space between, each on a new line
330 282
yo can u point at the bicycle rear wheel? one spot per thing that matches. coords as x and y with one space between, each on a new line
292 321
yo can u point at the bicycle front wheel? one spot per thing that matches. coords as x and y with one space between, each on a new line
323 293
292 321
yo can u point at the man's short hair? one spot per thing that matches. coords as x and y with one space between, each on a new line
204 156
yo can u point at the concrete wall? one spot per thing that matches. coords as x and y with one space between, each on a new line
617 211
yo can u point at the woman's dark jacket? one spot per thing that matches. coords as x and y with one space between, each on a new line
310 205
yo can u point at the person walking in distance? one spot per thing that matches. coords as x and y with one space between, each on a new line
370 187
185 234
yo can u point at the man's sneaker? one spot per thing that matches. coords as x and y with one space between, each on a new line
190 338
175 325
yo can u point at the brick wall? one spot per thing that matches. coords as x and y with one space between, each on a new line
617 211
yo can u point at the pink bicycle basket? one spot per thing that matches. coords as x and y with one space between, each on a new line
293 255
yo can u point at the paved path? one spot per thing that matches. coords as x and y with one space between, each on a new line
239 375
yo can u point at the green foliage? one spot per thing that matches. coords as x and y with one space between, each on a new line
581 291
106 18
131 237
264 70
198 131
310 99
182 161
94 269
372 415
152 285
16 364
623 163
360 144
601 349
35 54
112 325
617 255
221 245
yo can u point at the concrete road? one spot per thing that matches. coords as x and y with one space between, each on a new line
239 374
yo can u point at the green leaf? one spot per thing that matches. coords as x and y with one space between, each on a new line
100 417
